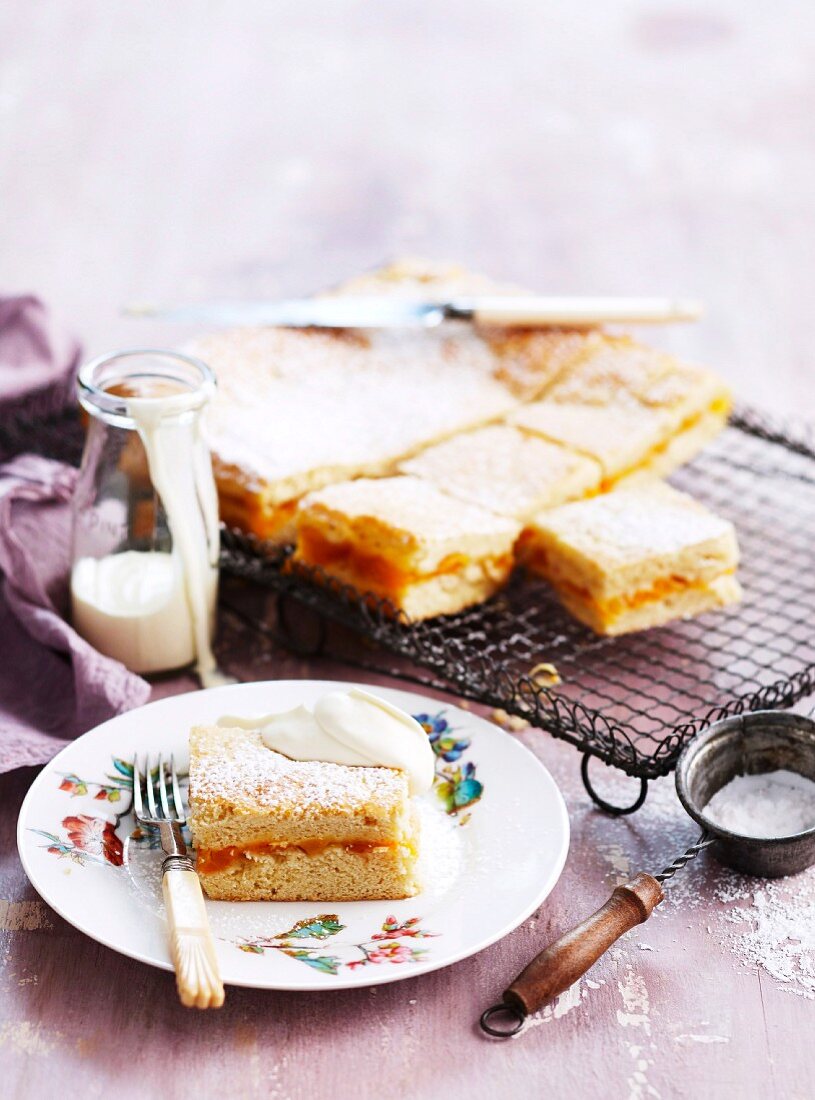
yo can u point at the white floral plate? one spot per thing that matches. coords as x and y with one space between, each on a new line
495 836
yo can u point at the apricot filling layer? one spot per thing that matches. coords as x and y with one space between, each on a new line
718 408
251 512
610 608
218 859
372 570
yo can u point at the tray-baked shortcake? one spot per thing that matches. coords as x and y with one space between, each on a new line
635 558
298 409
401 538
269 828
506 471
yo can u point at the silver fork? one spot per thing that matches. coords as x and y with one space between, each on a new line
191 945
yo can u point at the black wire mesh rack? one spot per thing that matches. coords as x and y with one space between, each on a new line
634 701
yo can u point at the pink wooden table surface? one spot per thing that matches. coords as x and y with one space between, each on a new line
172 151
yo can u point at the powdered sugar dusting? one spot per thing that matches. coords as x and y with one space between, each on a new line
615 435
502 469
564 1003
305 407
772 804
414 507
290 402
749 922
441 850
631 523
622 373
636 1005
702 1039
234 766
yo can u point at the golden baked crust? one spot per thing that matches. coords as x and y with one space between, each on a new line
268 827
404 540
505 471
636 557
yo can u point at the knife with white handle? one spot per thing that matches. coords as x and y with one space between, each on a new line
390 312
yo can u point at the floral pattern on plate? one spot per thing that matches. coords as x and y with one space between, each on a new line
382 947
89 840
109 791
455 783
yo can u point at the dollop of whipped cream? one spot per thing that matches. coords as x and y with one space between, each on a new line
349 727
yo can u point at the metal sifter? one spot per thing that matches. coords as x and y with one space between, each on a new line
749 744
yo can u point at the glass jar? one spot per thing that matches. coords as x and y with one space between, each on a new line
145 524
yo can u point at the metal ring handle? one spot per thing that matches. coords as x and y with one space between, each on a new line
615 811
505 1033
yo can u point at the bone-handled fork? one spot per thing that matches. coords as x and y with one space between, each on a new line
191 944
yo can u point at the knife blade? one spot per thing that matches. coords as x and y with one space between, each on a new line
390 312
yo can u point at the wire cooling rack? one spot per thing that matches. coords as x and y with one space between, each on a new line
633 701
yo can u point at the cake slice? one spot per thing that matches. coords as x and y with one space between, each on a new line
691 404
267 828
614 370
621 438
635 558
505 471
404 540
695 404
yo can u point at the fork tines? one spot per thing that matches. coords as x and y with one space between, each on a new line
145 781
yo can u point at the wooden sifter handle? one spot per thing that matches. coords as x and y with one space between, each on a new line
560 964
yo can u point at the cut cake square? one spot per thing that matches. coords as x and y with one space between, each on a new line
619 437
404 540
505 471
635 558
616 369
689 403
696 404
267 828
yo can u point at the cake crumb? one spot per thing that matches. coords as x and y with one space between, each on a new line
511 722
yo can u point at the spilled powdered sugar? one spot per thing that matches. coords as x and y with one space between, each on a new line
562 1004
773 926
441 853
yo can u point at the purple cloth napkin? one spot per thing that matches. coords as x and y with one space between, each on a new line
38 361
53 685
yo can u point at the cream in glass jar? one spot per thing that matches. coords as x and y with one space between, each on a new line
145 558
